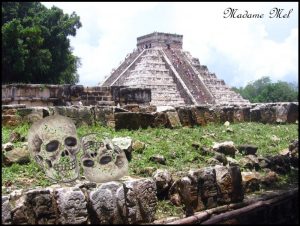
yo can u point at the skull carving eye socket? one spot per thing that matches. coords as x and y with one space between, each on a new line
52 146
88 163
104 160
70 141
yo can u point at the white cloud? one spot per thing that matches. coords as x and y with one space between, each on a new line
250 47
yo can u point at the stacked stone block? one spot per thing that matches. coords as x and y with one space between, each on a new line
128 202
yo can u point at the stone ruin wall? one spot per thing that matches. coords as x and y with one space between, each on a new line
134 116
66 95
97 106
209 190
116 202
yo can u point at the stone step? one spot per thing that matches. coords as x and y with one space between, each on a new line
92 97
97 93
97 89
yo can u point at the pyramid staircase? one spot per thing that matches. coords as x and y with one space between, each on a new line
151 72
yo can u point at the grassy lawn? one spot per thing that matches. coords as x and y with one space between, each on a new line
176 145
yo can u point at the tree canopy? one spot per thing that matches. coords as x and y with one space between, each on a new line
264 90
35 44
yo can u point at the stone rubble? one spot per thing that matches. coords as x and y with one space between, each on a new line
226 148
158 159
16 155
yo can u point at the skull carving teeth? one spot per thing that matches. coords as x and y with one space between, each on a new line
53 144
102 161
64 167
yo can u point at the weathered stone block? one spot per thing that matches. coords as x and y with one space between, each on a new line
279 163
17 155
80 115
255 114
163 180
11 120
225 185
226 148
248 149
198 115
232 161
292 112
40 206
268 114
18 208
104 116
107 202
185 116
158 158
212 116
125 143
251 181
138 146
9 111
264 162
294 153
161 120
6 210
132 120
208 186
185 191
76 90
140 200
241 114
146 120
132 107
281 113
221 158
174 121
250 162
148 109
135 95
127 120
71 205
237 194
269 179
226 114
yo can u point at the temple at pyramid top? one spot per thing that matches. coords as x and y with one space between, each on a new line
158 39
174 76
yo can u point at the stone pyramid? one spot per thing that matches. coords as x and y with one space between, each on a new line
173 75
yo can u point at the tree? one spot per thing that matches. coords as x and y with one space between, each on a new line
35 44
263 90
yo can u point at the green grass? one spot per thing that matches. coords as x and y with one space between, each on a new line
23 176
166 209
174 144
22 129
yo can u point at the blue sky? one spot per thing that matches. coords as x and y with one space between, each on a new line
238 50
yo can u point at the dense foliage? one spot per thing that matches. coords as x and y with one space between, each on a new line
263 90
35 44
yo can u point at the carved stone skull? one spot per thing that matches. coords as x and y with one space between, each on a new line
53 144
102 161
